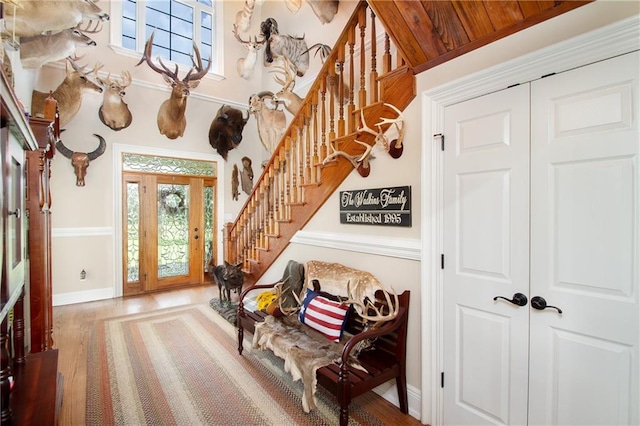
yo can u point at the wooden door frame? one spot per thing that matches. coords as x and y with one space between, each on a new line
118 150
613 40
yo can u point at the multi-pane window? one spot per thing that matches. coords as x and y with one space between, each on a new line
177 25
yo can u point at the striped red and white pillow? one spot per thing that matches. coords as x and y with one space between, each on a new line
323 315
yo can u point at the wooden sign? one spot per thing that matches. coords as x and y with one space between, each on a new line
380 206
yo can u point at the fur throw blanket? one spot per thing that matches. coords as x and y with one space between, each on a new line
304 351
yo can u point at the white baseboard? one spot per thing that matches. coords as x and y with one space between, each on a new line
389 392
82 296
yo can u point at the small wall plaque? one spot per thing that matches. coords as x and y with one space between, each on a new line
379 206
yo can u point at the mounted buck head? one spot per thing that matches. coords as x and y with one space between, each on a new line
114 112
245 66
80 160
171 118
41 49
68 94
37 17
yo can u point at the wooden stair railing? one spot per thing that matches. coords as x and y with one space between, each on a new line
295 183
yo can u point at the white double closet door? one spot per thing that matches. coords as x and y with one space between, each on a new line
541 193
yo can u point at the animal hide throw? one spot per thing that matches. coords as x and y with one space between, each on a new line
304 351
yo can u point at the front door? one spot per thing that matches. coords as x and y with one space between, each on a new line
168 230
568 241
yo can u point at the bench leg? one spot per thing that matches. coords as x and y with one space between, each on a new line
401 384
344 397
240 339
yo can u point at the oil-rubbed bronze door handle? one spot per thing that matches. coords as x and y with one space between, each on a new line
518 299
540 304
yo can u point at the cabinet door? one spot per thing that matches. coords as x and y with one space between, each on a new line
585 189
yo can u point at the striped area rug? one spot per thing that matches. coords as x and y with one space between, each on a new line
180 366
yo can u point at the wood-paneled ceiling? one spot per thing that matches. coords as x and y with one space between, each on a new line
431 32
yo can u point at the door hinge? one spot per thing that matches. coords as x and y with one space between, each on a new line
442 261
441 136
442 379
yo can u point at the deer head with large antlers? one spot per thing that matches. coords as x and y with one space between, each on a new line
171 115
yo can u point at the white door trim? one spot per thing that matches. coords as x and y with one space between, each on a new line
613 40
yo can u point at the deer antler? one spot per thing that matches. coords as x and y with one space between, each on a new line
359 162
289 70
380 136
362 307
88 28
126 79
197 66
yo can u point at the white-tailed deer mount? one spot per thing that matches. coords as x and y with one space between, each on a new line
171 115
39 17
245 66
114 112
35 51
80 160
68 94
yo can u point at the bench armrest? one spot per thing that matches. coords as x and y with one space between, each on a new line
389 327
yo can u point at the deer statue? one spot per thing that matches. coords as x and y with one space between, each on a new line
80 160
171 118
35 51
114 112
245 66
37 17
68 94
285 96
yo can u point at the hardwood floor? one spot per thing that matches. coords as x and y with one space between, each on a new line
73 324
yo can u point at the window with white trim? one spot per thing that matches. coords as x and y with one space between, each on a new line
177 25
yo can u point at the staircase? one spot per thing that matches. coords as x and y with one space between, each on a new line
364 71
294 184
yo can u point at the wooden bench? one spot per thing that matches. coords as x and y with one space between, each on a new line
384 361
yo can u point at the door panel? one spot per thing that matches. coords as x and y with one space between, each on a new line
584 256
486 248
169 231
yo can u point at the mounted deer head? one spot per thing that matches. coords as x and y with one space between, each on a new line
80 160
171 118
38 50
245 66
114 112
68 94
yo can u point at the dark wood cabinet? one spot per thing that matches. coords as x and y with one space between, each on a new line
38 202
30 382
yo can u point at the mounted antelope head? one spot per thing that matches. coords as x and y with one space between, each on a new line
38 17
245 66
41 49
114 112
171 118
291 101
68 94
80 160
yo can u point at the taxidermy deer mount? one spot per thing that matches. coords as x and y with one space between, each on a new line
68 94
114 112
171 119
